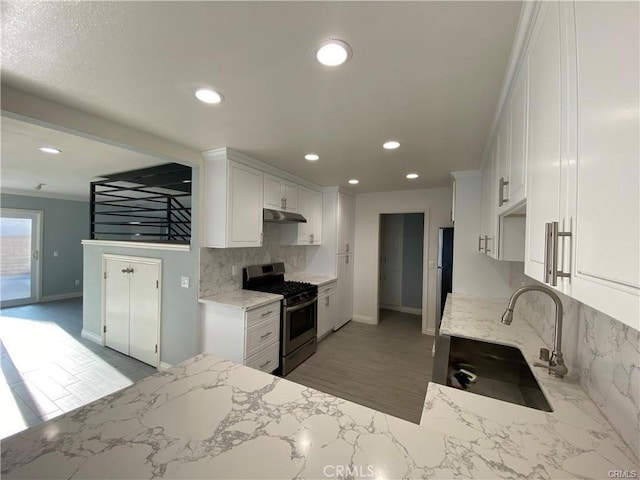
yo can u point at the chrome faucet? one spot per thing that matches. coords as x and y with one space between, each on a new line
556 366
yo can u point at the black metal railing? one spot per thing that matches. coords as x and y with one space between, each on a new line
151 204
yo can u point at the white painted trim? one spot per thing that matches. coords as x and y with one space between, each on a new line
164 366
61 296
41 194
466 174
140 245
400 308
364 319
430 331
94 337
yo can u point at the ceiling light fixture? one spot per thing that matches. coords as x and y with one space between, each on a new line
49 149
207 95
312 157
333 53
353 181
390 145
411 176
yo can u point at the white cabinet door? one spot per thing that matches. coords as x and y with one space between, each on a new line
316 216
327 308
290 194
487 240
305 208
116 305
606 202
503 142
346 223
515 192
544 161
144 312
273 197
345 290
245 206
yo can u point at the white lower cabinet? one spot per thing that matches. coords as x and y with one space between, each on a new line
327 308
345 290
131 308
250 337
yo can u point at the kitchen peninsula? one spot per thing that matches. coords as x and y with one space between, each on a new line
211 418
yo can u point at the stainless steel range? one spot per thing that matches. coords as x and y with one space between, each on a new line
298 315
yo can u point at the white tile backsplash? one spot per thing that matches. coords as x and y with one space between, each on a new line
216 263
603 352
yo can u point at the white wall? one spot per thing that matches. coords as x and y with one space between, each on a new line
436 202
474 273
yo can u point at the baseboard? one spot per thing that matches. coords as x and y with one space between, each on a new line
61 296
430 331
363 319
397 308
164 366
94 337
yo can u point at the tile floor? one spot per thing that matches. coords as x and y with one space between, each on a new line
47 368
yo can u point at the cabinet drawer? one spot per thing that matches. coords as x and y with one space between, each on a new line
267 360
262 313
262 334
327 290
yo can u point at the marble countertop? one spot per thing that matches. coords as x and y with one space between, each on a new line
315 279
211 418
242 299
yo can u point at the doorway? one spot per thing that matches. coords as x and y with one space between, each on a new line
20 247
401 264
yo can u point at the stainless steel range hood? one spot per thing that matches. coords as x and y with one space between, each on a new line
277 216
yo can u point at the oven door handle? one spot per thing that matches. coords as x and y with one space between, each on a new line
301 306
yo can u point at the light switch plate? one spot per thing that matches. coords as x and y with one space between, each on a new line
184 282
234 270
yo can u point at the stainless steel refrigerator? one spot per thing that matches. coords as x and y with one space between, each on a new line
445 271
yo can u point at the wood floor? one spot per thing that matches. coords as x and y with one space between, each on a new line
385 367
47 368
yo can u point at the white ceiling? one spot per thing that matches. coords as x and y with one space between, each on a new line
66 174
427 74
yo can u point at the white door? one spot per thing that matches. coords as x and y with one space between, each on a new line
144 312
544 161
20 256
245 210
391 260
116 304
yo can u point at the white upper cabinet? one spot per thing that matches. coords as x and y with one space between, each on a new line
488 230
516 191
544 161
346 223
310 233
233 203
280 194
604 201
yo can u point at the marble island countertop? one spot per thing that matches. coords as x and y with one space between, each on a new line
242 299
211 418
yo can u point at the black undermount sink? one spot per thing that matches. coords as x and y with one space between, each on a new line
502 372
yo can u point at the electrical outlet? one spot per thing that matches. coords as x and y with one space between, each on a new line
77 282
184 282
55 254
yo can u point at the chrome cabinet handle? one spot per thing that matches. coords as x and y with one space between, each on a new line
552 235
262 337
282 203
480 244
267 313
486 243
327 301
261 238
347 248
127 270
265 364
501 185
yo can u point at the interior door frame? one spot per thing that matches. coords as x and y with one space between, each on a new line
130 258
36 272
425 264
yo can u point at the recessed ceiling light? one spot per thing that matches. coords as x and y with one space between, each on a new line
353 181
312 157
333 53
391 145
49 150
207 95
412 175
